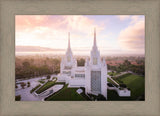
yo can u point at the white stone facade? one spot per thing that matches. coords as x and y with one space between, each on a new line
92 76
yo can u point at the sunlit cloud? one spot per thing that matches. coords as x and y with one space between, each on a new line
33 30
51 32
133 37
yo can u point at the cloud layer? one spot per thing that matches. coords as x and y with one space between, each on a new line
51 31
133 37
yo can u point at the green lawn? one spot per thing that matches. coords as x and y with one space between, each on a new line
45 86
134 82
66 94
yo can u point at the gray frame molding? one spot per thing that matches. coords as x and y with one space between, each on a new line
149 8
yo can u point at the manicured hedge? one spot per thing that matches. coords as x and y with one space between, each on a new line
42 81
31 91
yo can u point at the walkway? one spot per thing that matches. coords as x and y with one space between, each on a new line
25 93
113 80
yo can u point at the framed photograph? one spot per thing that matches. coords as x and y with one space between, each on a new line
55 65
80 58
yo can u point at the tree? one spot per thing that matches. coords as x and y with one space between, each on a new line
26 64
28 84
127 63
23 85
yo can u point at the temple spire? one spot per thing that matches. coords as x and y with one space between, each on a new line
69 40
95 37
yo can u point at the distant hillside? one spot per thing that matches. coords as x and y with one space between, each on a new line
35 49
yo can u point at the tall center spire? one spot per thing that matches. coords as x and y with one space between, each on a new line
68 40
95 37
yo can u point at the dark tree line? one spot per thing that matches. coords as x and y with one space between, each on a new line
26 68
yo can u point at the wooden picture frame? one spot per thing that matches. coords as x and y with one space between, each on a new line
149 8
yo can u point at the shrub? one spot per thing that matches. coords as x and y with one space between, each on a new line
18 97
28 83
42 81
123 85
109 84
100 97
48 76
120 88
82 88
128 88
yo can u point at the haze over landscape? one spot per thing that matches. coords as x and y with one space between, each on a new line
48 34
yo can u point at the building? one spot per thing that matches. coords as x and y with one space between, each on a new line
92 76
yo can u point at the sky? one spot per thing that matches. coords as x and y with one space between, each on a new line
115 34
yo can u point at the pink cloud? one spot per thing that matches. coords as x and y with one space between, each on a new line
123 17
132 37
48 26
47 30
29 21
75 22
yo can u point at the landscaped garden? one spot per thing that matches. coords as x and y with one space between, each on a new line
32 90
66 94
134 82
47 85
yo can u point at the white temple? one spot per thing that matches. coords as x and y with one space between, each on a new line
92 76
